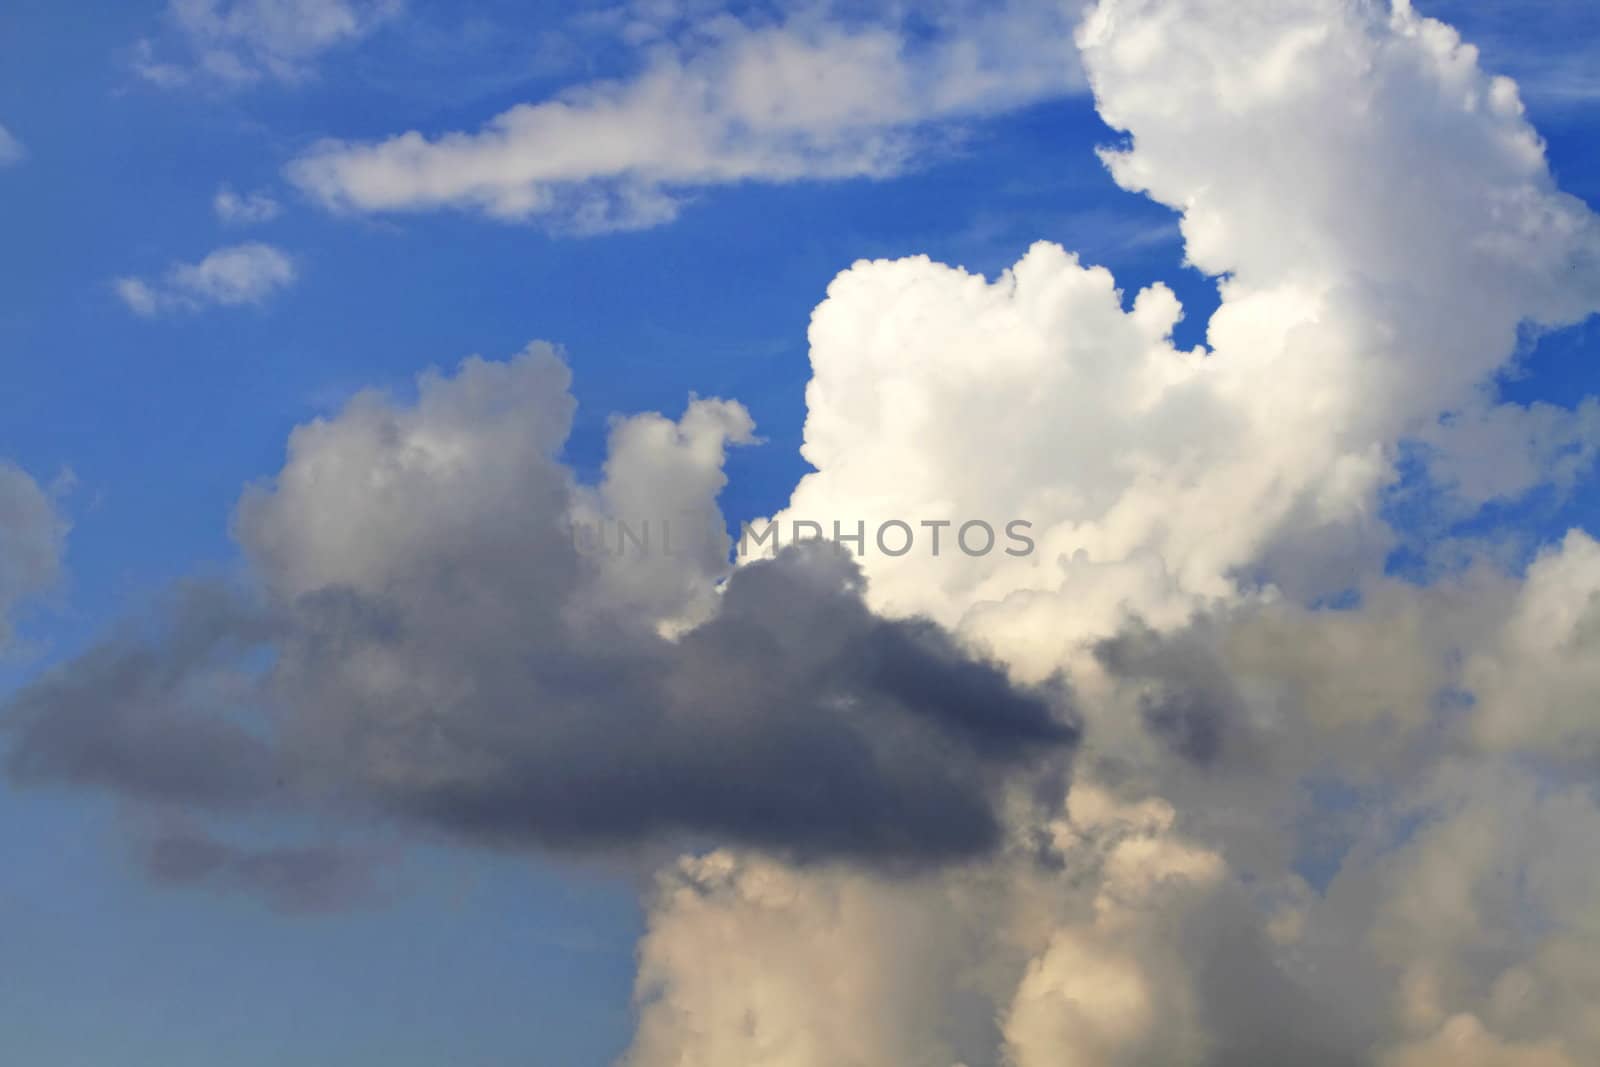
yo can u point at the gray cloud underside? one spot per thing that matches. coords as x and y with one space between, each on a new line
795 720
481 675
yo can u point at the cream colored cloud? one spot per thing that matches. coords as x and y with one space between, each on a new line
1297 832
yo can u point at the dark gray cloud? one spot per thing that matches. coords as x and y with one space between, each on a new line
155 715
302 879
795 719
1185 696
421 639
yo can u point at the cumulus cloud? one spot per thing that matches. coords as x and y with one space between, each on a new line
1050 951
723 102
443 650
1320 815
12 150
1291 809
239 42
1359 305
244 208
237 275
1555 65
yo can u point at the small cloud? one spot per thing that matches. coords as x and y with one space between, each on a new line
245 209
295 880
229 277
806 99
11 149
152 70
139 297
239 42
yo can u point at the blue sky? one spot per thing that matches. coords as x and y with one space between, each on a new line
148 427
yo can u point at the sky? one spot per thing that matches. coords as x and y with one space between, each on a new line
328 324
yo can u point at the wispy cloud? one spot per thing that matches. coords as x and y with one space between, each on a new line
244 208
803 99
11 149
246 41
239 274
33 533
1555 57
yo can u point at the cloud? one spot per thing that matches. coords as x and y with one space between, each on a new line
1320 815
33 535
1358 308
229 277
245 209
1465 1041
1553 58
296 880
1536 678
12 151
1060 947
1292 808
137 712
240 42
446 652
806 98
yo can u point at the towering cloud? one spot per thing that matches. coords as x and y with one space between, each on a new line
1196 783
1289 837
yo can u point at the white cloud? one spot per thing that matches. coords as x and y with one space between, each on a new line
244 209
140 297
12 150
1360 304
229 277
1537 679
238 42
1383 220
805 99
1555 57
1295 832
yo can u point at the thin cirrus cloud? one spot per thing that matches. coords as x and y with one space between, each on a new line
237 275
241 42
807 98
244 209
33 531
12 150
